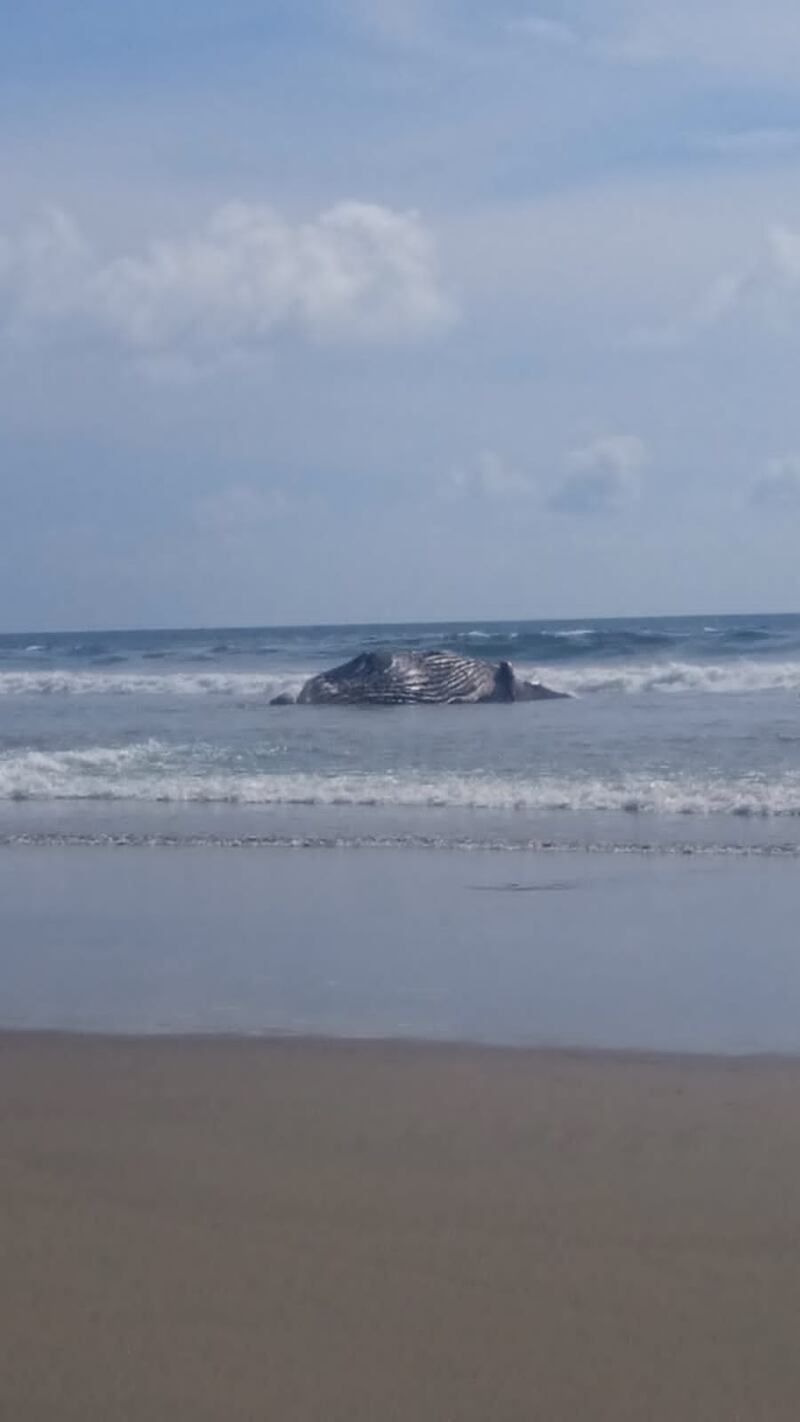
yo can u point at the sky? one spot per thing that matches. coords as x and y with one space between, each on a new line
375 310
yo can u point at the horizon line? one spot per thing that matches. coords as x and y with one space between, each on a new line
381 622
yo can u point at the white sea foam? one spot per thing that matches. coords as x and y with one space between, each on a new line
180 839
152 771
740 675
114 683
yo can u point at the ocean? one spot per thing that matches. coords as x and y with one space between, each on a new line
618 869
683 735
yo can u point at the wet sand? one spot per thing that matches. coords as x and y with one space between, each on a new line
232 1229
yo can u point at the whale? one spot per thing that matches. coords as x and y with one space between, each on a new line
403 677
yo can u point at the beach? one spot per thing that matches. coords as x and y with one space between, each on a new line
399 712
208 1228
436 1063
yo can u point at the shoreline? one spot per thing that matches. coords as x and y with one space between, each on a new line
197 1228
545 1051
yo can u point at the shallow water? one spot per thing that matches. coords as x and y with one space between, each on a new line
587 950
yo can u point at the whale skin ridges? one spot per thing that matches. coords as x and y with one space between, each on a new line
397 678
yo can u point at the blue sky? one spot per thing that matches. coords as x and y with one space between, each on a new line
400 309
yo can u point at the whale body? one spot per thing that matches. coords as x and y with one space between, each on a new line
399 678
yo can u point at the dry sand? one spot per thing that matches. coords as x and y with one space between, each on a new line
236 1230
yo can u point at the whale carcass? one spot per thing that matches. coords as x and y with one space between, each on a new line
399 678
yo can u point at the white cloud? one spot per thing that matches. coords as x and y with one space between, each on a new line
489 476
357 272
778 488
602 477
768 293
718 301
771 289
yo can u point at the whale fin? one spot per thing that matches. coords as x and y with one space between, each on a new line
504 683
537 691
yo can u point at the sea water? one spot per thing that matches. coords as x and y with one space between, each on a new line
681 734
616 869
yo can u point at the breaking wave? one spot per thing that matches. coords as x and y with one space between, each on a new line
153 771
747 675
741 676
171 684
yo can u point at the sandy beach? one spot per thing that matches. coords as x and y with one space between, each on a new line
218 1228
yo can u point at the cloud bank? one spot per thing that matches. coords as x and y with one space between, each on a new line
358 272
